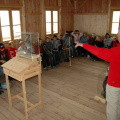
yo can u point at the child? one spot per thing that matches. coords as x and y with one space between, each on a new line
67 39
91 41
107 41
56 43
48 48
99 42
84 39
39 49
114 42
77 35
62 50
3 54
12 50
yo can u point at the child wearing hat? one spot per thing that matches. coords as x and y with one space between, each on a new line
114 42
3 54
107 41
12 50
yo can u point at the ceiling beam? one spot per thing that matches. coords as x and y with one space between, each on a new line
82 5
72 6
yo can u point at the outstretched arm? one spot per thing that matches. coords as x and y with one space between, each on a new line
103 53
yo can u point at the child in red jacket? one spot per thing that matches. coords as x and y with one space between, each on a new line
12 50
113 83
114 42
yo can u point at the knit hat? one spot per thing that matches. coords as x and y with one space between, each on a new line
107 33
54 36
114 37
2 46
93 34
10 42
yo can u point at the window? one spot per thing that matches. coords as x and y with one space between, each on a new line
115 22
51 22
9 24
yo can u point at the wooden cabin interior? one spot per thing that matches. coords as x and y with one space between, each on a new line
68 92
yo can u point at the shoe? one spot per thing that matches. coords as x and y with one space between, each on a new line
49 66
53 67
45 68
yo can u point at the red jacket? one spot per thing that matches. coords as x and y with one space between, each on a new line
12 52
111 55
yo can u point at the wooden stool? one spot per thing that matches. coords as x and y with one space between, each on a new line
22 69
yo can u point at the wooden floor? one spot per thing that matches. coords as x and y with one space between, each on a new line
68 93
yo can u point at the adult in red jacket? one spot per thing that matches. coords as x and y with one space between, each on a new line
113 83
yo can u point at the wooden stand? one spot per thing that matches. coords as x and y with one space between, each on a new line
22 69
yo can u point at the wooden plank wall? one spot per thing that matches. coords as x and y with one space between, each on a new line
93 16
32 14
67 20
91 24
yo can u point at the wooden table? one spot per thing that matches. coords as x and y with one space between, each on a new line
21 69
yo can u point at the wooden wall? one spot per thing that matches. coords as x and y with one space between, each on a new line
94 15
91 24
32 14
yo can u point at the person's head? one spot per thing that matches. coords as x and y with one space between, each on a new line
2 47
54 37
11 44
47 39
93 35
66 33
76 32
22 44
107 35
60 37
114 38
40 41
85 34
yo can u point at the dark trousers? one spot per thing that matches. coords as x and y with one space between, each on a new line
57 56
52 59
45 60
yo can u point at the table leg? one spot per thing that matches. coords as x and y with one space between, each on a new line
40 90
8 90
25 98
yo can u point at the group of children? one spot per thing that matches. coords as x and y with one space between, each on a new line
59 48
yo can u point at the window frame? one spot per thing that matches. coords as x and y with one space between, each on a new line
11 23
52 22
112 19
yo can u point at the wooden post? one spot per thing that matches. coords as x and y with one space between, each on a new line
8 89
75 6
24 97
43 20
23 24
59 4
40 89
108 18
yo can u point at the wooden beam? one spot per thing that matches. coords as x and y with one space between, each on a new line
42 6
72 6
108 18
60 29
115 7
51 7
75 6
91 13
11 5
82 5
85 13
99 99
33 13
